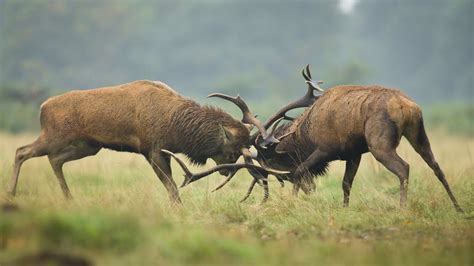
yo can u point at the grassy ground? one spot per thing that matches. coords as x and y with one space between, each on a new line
120 215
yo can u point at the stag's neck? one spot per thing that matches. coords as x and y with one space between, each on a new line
197 132
294 133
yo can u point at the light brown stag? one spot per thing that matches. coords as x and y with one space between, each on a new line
141 117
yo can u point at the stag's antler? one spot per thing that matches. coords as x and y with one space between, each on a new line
307 100
191 177
272 131
312 85
258 178
248 118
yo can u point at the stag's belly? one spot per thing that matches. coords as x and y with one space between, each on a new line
351 148
123 143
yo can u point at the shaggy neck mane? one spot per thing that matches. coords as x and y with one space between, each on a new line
198 131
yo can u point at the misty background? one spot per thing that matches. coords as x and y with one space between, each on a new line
253 48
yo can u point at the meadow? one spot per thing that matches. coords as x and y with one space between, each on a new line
121 215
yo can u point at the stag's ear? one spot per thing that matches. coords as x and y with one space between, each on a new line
226 134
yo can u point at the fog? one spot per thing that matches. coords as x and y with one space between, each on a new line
254 48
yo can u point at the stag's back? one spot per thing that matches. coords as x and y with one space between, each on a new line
340 116
128 115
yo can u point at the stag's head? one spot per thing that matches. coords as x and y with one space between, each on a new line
236 136
289 152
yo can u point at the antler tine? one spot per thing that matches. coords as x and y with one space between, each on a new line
236 100
227 180
249 190
266 192
275 125
306 101
187 174
289 118
272 132
248 159
307 77
257 176
248 117
312 85
190 177
308 72
279 178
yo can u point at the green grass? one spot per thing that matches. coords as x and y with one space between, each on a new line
120 214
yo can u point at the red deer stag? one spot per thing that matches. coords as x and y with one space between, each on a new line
345 122
141 117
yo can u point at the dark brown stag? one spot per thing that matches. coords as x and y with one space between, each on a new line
141 117
342 124
345 122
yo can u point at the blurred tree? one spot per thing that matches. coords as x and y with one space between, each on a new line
83 44
424 47
255 48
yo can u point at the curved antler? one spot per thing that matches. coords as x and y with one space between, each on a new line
258 178
248 118
307 100
191 177
272 131
312 85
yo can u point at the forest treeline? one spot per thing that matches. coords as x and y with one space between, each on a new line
254 48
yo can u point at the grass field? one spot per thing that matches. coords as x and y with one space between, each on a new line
121 215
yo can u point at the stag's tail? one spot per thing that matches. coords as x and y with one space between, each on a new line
416 135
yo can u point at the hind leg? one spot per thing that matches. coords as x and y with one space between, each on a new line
396 165
35 149
421 144
383 137
351 169
71 152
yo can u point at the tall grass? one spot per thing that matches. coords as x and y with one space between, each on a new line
120 214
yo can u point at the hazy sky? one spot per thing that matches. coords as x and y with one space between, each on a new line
346 6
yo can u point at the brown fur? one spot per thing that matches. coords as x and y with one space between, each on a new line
344 123
141 117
